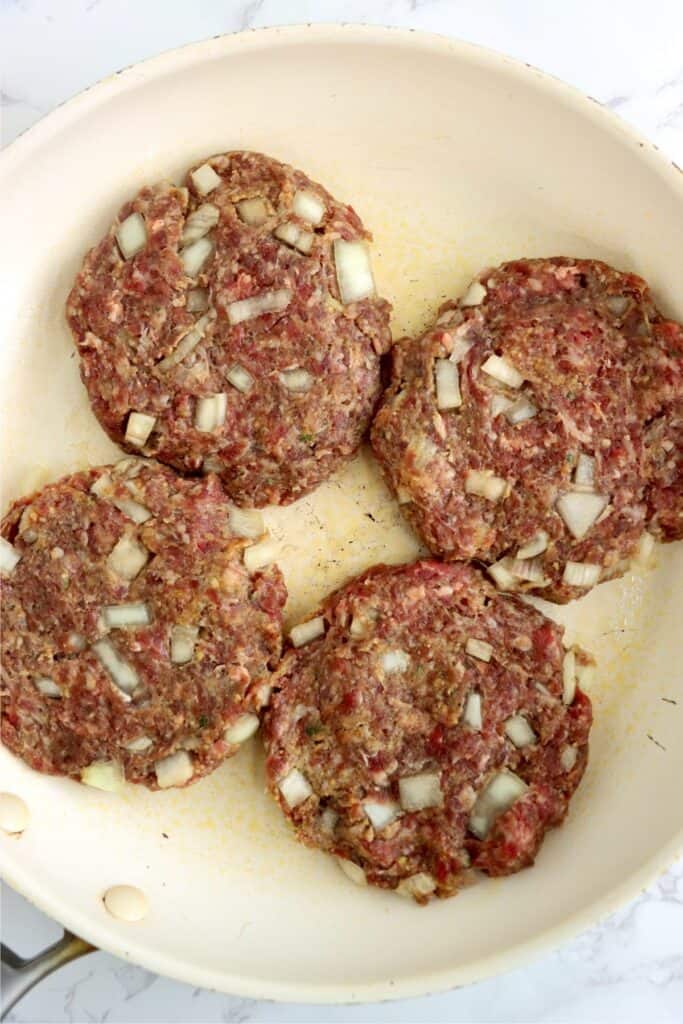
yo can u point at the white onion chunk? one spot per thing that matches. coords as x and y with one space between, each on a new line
131 235
205 179
495 799
418 792
257 305
9 557
295 788
354 272
307 631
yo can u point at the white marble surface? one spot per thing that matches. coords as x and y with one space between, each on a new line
629 56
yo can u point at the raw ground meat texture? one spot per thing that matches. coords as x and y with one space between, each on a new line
233 298
391 698
147 538
596 386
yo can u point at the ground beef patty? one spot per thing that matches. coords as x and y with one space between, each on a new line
133 637
427 727
534 425
233 325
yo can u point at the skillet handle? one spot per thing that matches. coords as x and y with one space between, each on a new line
20 975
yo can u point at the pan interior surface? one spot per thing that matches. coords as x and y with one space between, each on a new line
456 159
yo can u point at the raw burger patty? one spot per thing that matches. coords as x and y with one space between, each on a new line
537 425
395 744
226 328
133 636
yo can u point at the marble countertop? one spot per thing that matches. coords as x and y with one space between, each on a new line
630 57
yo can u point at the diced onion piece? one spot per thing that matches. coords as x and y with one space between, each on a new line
581 574
183 641
328 821
308 206
354 272
242 729
135 613
461 347
501 575
133 509
193 257
139 745
568 757
381 812
536 546
584 474
47 687
199 223
358 626
297 380
479 649
417 792
295 236
501 370
497 797
129 467
417 885
131 235
76 642
484 484
121 672
472 711
447 381
500 403
210 412
102 486
197 300
240 378
267 302
253 212
580 510
569 676
174 770
475 294
106 775
423 450
9 556
527 569
205 179
263 694
127 558
307 631
645 549
295 788
257 556
246 522
521 410
138 428
352 871
187 344
617 304
395 660
518 730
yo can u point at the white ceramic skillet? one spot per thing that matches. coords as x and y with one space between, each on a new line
456 158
